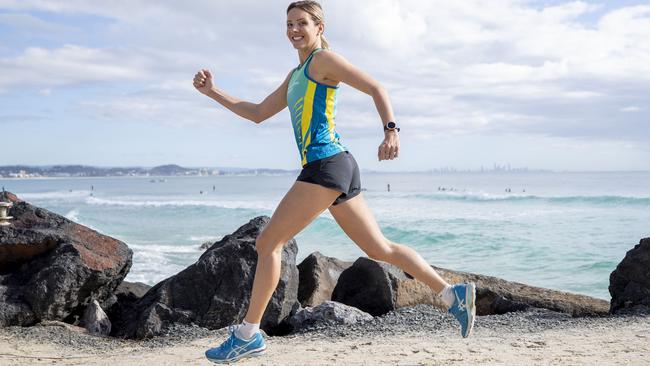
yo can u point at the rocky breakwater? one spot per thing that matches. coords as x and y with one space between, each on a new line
327 313
52 268
215 291
378 287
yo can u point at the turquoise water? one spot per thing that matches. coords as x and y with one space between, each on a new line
565 231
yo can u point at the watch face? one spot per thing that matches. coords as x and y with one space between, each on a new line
390 125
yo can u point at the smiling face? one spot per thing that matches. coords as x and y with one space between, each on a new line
302 31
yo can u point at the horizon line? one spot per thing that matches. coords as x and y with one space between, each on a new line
431 170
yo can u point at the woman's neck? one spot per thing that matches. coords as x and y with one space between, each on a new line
303 54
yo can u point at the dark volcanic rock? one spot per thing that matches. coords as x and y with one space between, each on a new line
215 291
122 301
318 276
378 287
13 308
369 285
51 268
629 284
95 320
326 314
131 290
489 302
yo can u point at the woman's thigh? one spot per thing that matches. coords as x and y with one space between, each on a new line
358 222
300 206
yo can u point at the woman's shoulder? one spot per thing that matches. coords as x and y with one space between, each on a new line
326 53
328 57
322 66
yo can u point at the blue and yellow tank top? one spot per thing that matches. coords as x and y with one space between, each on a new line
313 109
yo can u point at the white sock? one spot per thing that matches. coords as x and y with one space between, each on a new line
247 330
447 295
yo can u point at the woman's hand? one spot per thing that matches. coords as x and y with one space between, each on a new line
203 81
389 149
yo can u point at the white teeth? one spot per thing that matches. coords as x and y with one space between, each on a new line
297 38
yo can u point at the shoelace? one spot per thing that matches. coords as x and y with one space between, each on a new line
229 342
461 303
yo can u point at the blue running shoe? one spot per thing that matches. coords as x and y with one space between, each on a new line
234 348
464 309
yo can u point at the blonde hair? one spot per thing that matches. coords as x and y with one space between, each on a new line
314 9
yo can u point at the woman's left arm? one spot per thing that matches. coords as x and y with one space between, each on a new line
335 67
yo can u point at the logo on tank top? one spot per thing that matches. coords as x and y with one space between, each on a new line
292 85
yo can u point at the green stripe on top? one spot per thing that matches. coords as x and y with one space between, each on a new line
312 106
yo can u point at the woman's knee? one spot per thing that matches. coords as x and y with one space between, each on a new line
382 251
265 245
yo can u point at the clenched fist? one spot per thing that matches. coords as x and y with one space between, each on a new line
389 148
203 81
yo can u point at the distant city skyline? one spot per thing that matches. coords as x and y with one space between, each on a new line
551 85
27 171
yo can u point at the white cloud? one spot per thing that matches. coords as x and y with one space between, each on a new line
69 64
157 109
499 73
29 23
631 108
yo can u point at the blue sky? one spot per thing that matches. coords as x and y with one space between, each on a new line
544 84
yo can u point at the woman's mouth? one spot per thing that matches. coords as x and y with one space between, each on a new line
297 38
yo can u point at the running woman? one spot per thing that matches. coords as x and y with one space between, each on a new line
329 178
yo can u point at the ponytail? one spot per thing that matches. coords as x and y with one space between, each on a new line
324 43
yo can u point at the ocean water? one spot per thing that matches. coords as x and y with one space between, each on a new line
564 231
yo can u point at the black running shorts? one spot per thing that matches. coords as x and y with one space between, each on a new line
339 172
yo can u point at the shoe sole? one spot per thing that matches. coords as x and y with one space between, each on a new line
470 293
252 353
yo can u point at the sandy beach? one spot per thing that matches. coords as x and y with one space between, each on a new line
412 336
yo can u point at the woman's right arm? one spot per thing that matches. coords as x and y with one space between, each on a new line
257 113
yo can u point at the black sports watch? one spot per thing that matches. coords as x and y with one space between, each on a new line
390 126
